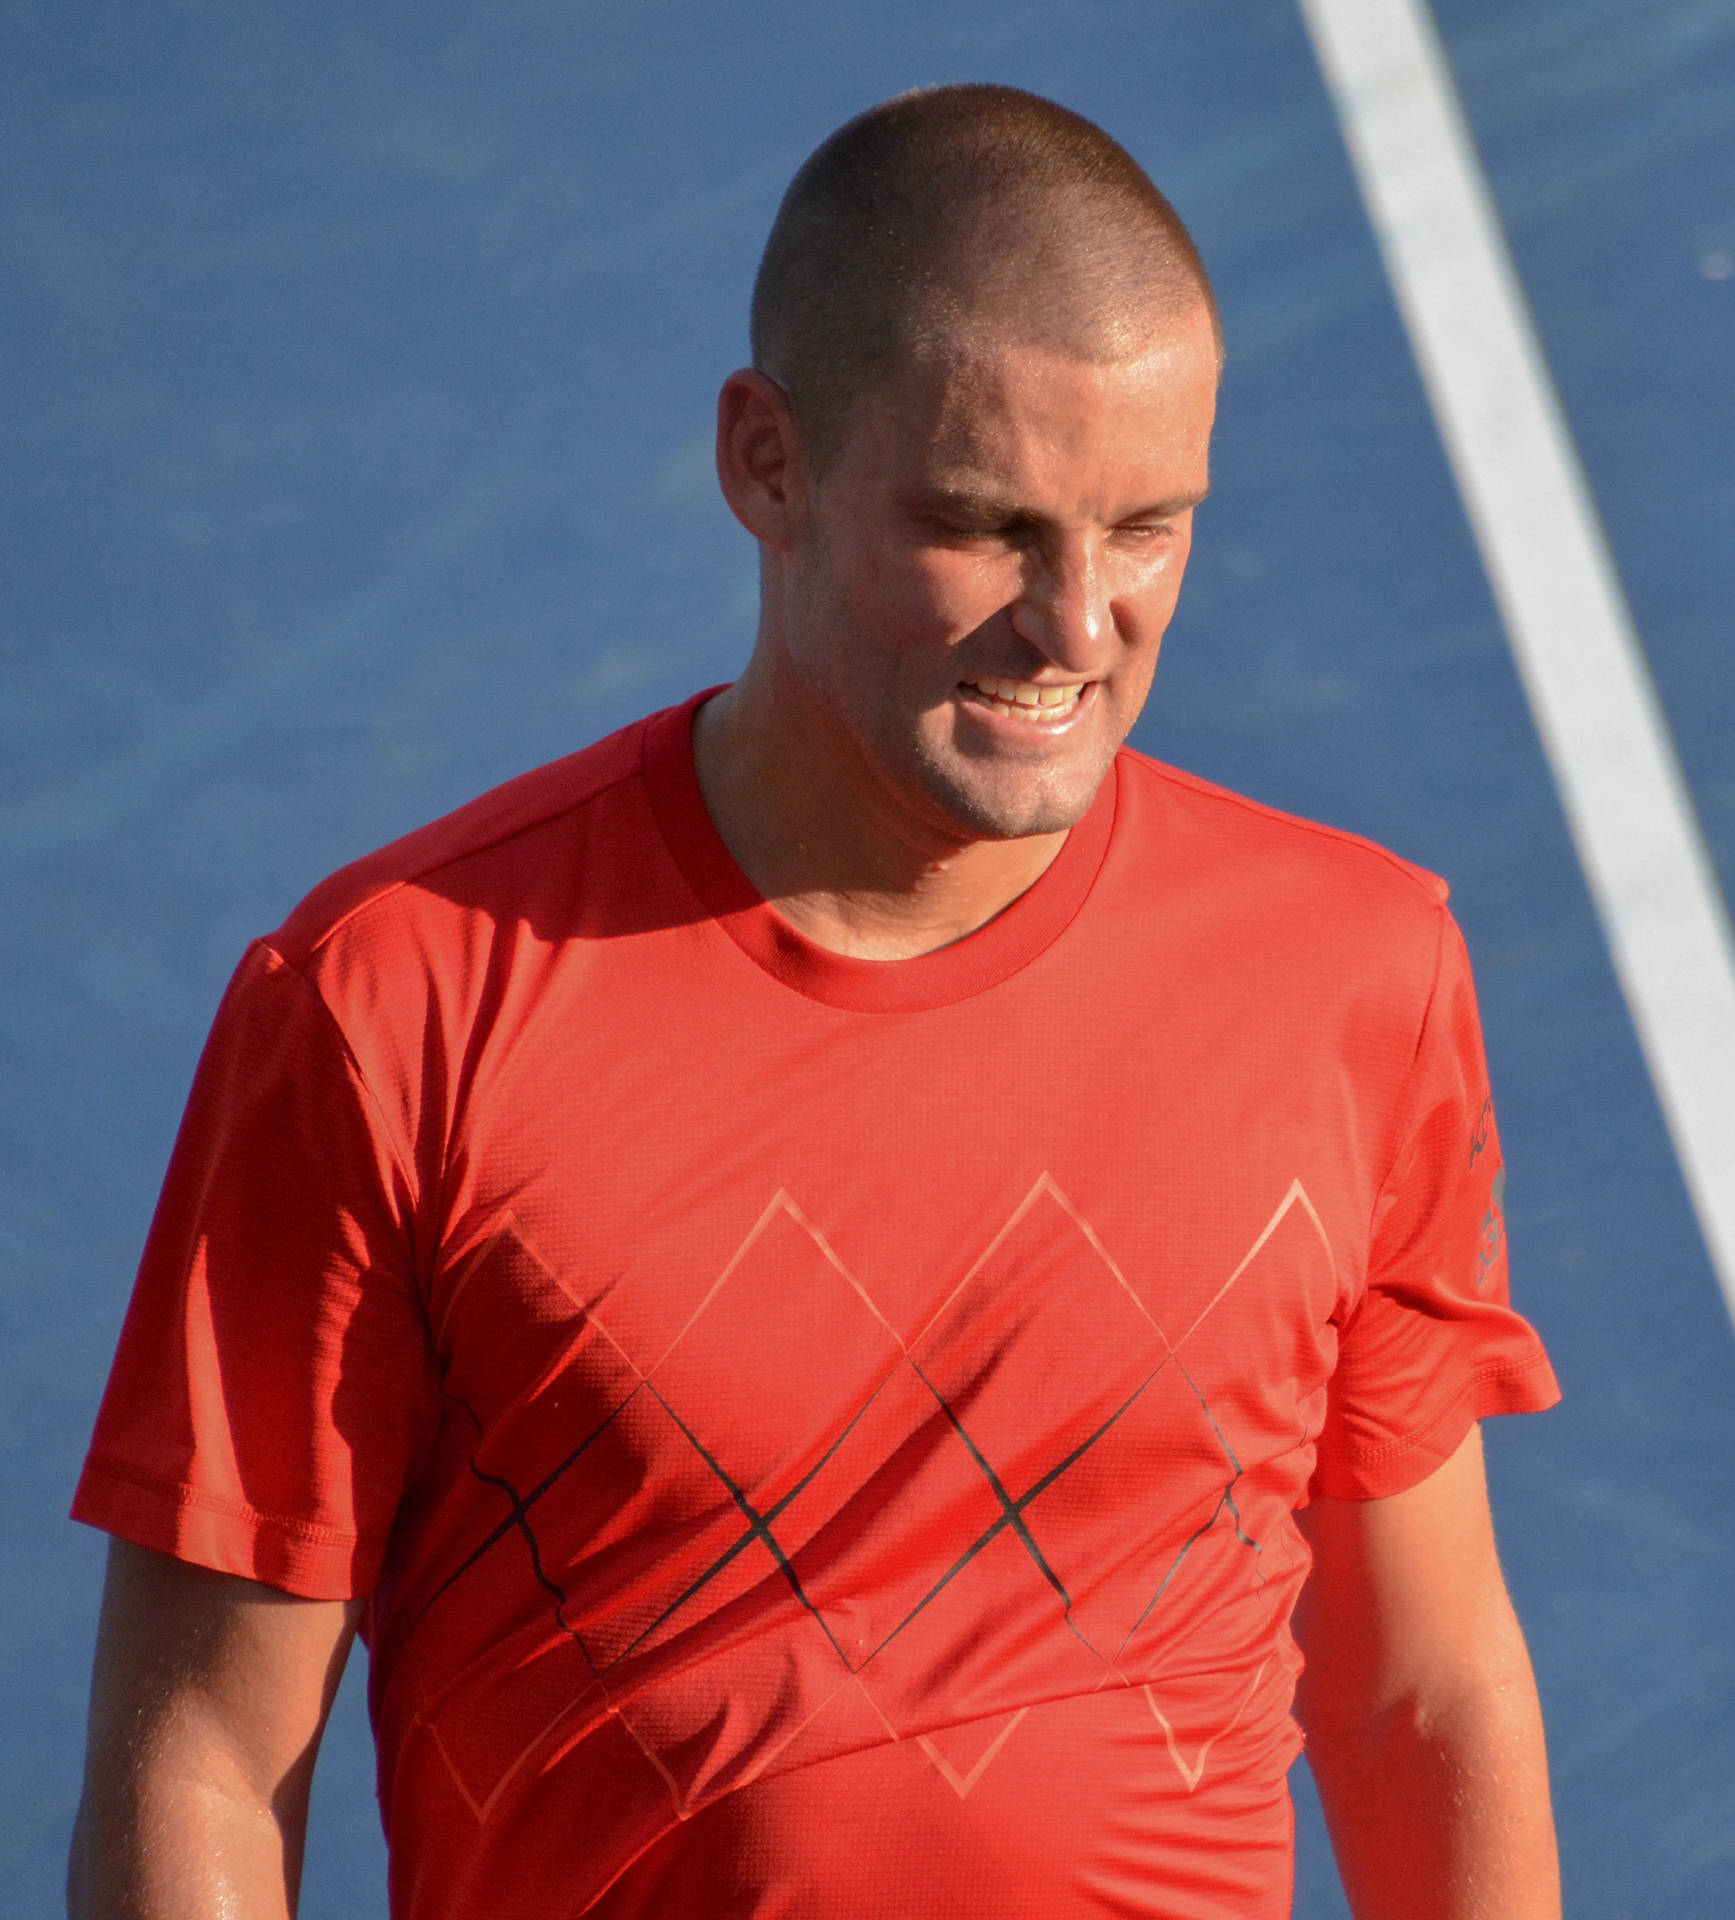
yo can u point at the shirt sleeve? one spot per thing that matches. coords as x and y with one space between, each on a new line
1433 1343
273 1384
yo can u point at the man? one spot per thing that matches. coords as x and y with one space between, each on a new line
791 1270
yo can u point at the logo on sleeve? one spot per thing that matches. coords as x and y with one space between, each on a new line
1493 1228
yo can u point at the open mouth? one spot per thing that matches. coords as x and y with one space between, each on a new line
1025 700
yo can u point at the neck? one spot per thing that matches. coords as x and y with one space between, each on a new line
825 844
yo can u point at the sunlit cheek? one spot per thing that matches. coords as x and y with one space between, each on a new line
1145 594
1164 580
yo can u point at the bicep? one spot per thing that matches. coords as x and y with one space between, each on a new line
255 1667
209 1693
1406 1597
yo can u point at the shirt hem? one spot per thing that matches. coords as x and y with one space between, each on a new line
226 1536
1377 1473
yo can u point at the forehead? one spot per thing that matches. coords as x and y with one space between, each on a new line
999 414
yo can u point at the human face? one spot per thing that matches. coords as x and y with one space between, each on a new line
979 586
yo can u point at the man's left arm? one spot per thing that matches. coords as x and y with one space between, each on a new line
1420 1709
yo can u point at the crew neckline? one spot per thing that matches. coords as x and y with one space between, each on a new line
993 953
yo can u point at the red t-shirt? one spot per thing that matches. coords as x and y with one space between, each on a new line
821 1435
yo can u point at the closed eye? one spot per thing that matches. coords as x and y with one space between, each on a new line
1013 532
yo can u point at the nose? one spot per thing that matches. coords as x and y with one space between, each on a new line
1065 608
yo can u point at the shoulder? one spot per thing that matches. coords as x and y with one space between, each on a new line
1295 889
1248 828
510 826
407 958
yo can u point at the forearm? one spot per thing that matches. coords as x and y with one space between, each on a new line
1440 1810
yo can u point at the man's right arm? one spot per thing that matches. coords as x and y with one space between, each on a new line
208 1700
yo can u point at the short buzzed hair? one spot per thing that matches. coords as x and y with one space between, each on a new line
958 206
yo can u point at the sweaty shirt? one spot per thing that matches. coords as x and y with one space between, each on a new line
820 1436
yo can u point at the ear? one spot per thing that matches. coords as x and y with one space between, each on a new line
759 462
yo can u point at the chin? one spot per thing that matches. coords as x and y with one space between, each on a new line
1016 806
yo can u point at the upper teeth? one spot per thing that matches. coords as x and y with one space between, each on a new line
1026 693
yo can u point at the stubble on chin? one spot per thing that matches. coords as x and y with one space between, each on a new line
987 802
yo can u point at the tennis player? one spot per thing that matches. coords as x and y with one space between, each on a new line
842 1284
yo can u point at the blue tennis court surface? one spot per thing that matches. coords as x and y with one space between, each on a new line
360 364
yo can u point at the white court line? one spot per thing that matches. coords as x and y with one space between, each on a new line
1580 661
